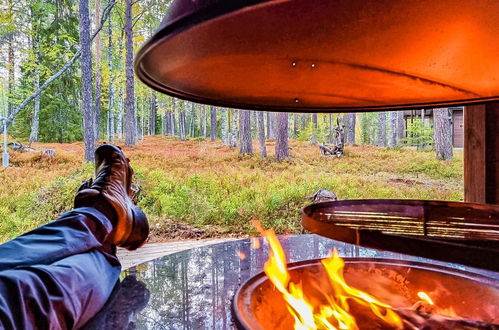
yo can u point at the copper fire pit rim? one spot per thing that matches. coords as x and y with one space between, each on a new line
415 227
254 281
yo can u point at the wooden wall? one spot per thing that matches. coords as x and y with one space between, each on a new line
481 153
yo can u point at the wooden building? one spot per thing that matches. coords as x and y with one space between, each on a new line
455 116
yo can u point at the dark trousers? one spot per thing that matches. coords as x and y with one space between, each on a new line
59 275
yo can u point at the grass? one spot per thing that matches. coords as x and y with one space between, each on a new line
213 188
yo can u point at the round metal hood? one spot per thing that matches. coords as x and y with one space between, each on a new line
326 55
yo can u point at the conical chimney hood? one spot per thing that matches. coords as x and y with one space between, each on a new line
326 55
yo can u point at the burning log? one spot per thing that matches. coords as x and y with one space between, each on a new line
418 319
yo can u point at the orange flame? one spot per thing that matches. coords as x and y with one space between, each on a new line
450 312
423 296
334 315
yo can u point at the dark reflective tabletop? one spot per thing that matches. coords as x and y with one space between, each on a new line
193 289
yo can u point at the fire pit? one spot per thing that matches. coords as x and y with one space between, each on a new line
258 305
363 293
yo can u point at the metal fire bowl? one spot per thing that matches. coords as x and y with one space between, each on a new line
258 305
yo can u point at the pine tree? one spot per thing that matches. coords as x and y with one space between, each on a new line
261 135
86 81
281 146
442 133
130 117
246 146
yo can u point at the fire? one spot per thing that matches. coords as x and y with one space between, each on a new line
423 296
334 315
434 308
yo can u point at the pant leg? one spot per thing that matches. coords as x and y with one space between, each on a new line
74 232
58 275
63 295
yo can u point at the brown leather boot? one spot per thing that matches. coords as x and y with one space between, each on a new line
112 184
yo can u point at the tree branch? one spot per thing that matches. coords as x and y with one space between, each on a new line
105 15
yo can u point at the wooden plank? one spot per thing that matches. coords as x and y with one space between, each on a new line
156 250
474 153
481 153
492 153
458 129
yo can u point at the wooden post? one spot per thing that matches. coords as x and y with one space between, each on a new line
481 153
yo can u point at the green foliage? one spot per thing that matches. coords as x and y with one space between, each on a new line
369 127
198 183
418 134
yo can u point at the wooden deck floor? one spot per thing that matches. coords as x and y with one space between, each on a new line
155 250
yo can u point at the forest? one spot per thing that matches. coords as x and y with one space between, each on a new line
67 83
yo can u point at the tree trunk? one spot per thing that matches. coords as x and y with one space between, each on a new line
11 67
393 129
110 111
351 128
35 121
181 122
270 125
86 81
234 138
205 121
225 127
331 137
130 118
201 119
119 124
139 120
213 125
442 133
98 75
246 147
382 129
281 146
152 114
192 125
295 125
400 126
261 134
315 128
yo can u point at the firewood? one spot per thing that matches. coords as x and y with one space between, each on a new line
419 319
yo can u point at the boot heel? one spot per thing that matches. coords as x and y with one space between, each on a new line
86 197
140 230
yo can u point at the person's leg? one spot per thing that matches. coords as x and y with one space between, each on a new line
74 232
62 295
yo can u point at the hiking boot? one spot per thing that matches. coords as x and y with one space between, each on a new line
111 191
